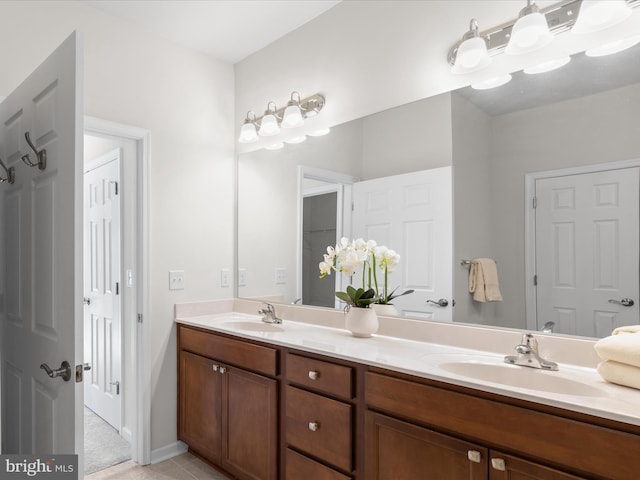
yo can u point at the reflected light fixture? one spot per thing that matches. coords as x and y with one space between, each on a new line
596 15
548 65
471 54
530 32
292 116
613 47
492 82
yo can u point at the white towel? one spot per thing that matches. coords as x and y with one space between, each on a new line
626 329
620 373
483 280
622 348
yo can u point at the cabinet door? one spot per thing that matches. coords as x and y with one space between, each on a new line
200 415
506 467
250 425
397 450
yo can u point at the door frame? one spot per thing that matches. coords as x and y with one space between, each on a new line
531 313
140 332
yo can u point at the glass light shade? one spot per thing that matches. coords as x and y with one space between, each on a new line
297 139
320 132
530 33
548 66
275 146
492 82
248 133
472 55
613 47
596 15
292 117
269 126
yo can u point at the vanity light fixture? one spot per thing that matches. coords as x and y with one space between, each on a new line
530 32
471 54
596 15
290 117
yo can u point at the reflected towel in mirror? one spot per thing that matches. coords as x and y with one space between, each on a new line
483 280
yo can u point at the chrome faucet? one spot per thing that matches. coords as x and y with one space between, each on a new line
548 327
269 314
528 355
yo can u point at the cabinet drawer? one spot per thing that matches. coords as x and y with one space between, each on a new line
236 352
319 426
582 447
320 375
300 467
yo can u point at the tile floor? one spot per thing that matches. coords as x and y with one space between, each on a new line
182 467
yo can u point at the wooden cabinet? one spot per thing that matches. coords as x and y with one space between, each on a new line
397 450
319 418
227 414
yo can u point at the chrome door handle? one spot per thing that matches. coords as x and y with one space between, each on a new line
443 302
64 371
86 301
625 302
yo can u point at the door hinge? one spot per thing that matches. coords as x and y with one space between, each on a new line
117 288
535 202
115 184
139 318
535 280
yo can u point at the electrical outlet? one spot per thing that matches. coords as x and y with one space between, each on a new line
281 276
225 278
242 277
176 280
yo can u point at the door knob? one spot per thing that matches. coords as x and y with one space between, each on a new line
443 302
625 302
64 371
86 301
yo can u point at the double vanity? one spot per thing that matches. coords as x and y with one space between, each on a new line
304 399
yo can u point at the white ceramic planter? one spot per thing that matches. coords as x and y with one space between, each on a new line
387 310
362 322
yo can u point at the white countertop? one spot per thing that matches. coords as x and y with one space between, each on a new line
572 387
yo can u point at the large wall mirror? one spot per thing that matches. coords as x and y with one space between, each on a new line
570 138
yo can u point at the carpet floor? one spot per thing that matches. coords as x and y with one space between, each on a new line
103 446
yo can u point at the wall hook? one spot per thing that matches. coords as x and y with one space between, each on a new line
41 155
11 173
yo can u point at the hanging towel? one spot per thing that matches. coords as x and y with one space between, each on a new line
483 280
620 373
622 348
626 329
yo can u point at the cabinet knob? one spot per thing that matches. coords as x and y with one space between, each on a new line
223 370
215 367
314 426
498 464
313 375
474 455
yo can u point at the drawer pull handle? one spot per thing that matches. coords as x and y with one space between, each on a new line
314 426
313 375
498 464
474 455
215 368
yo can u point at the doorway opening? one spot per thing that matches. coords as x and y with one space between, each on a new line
117 402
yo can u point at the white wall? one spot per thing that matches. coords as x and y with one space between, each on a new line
185 99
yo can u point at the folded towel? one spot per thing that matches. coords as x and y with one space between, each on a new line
483 280
620 373
620 348
626 329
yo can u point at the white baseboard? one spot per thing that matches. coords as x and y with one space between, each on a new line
125 433
168 451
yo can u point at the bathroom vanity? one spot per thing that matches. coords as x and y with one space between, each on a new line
303 401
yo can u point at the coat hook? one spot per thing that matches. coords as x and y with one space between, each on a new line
41 155
11 173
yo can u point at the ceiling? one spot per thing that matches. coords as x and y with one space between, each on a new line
228 30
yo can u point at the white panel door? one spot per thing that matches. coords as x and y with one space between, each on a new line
102 312
43 258
412 214
587 251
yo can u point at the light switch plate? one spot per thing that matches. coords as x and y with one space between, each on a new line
176 280
242 277
225 278
281 276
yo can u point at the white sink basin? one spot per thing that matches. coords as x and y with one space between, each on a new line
521 377
250 326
